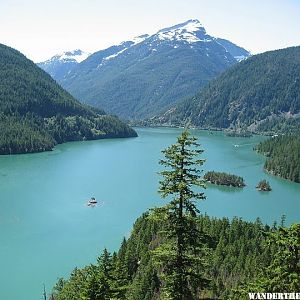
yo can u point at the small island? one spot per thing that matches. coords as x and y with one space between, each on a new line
221 178
263 186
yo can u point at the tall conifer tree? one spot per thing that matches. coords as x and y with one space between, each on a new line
182 255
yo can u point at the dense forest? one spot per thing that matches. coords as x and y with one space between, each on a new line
176 253
260 94
283 154
30 133
36 113
237 252
222 178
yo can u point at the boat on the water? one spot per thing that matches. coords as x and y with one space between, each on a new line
92 202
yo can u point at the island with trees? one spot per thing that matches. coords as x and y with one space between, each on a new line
222 178
264 186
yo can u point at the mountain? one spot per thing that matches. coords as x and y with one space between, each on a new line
61 64
260 94
139 78
36 113
237 52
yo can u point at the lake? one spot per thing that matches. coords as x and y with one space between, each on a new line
46 228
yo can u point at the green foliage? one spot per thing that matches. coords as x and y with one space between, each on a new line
23 135
36 113
31 133
182 255
221 178
280 125
238 252
261 93
26 88
283 154
282 274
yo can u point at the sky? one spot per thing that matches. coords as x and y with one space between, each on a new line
43 28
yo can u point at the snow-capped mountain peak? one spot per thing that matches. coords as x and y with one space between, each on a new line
190 26
76 56
191 31
61 64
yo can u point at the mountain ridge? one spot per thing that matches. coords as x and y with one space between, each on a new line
138 78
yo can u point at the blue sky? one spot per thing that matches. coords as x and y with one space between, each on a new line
40 28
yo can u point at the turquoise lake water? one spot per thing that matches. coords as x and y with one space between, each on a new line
46 229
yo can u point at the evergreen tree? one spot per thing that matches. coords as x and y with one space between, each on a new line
181 256
283 273
104 277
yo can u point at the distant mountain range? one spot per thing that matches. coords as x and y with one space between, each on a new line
36 113
260 94
61 64
142 77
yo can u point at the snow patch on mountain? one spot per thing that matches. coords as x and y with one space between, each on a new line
133 42
239 58
114 55
190 26
77 55
184 32
140 39
69 56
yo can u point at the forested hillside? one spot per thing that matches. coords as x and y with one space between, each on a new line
262 94
283 154
238 253
36 113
